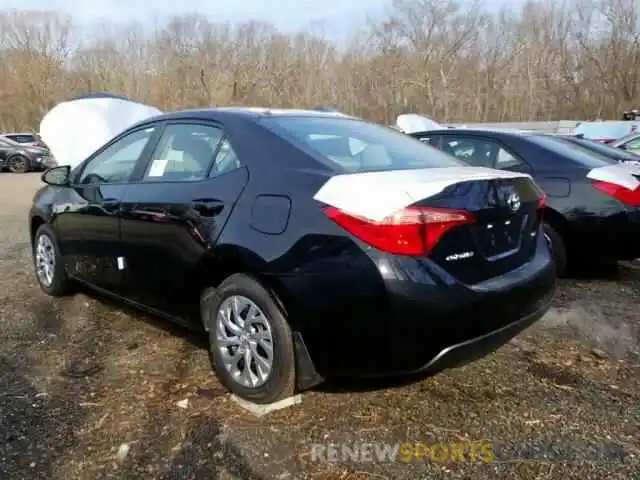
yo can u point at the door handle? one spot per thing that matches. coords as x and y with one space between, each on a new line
208 207
110 203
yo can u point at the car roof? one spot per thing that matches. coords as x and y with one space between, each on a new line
4 134
248 112
476 131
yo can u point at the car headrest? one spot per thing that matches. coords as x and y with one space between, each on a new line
197 148
338 147
374 156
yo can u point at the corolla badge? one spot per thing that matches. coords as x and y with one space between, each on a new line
513 202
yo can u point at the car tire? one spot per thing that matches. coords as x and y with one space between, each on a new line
47 260
558 249
273 329
18 164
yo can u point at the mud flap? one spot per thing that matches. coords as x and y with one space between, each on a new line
306 375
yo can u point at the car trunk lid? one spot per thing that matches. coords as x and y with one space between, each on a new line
477 223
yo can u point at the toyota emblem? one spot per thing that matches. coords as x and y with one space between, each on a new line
513 201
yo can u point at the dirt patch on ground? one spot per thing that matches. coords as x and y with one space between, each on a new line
91 390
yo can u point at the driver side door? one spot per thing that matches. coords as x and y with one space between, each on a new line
87 221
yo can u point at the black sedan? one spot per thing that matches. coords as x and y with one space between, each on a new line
18 158
307 244
592 215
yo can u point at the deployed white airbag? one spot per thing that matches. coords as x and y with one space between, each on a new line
412 123
75 129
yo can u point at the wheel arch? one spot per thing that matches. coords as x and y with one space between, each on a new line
227 260
558 221
35 223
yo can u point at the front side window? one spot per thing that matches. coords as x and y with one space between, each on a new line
349 145
481 152
116 163
475 151
184 153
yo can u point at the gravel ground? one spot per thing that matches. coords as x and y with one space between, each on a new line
91 390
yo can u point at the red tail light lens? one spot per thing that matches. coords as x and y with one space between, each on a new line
622 194
542 204
542 200
413 231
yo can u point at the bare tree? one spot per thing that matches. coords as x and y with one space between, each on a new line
451 60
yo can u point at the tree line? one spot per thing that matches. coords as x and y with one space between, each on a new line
456 61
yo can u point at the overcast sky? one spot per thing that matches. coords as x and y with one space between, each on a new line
336 15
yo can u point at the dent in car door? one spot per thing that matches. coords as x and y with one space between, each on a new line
86 215
173 217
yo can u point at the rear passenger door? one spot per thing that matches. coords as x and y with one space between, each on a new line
173 215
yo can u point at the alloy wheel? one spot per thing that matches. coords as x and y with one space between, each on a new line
245 341
18 164
45 260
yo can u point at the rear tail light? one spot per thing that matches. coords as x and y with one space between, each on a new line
622 194
413 231
542 201
542 204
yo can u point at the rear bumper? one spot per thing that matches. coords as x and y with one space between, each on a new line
467 323
476 348
422 319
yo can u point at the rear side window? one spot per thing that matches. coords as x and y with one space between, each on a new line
349 145
572 151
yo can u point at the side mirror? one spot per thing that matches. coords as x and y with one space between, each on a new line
57 176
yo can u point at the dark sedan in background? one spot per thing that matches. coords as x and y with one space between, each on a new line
18 158
592 215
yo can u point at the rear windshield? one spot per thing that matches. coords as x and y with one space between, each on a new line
358 146
606 150
572 151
